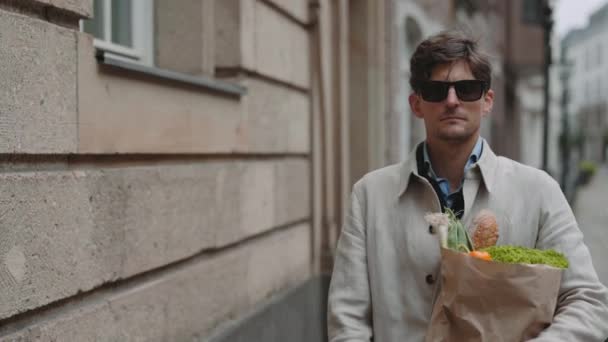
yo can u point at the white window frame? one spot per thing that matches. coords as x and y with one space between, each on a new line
142 34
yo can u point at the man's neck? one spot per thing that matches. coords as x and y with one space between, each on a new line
449 158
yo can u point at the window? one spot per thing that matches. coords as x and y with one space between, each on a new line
469 6
413 34
532 12
123 28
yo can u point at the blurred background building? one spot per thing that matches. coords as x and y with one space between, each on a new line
585 51
178 169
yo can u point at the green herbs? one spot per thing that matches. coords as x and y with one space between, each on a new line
458 236
523 255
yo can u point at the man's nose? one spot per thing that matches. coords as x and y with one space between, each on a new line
452 99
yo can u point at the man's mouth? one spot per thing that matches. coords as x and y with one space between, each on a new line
448 118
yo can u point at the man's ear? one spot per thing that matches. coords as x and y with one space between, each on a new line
488 102
415 105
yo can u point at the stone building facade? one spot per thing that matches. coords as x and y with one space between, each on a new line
158 179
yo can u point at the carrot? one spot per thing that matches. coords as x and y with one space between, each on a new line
481 255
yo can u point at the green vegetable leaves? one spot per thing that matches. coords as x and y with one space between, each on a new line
523 255
458 236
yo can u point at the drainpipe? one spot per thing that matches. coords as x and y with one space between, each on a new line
321 223
547 27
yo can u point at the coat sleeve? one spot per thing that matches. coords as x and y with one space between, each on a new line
582 308
349 301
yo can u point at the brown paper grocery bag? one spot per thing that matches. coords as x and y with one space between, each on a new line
491 301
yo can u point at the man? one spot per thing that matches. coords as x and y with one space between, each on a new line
387 260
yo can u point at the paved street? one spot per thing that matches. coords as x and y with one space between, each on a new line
591 210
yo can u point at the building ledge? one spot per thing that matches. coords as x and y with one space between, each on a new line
206 83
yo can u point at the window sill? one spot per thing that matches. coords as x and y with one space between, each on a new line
207 83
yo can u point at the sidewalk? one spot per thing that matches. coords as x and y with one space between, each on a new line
591 211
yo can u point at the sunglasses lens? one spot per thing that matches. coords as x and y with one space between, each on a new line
434 91
466 90
469 90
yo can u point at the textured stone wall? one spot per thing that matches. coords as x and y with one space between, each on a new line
134 208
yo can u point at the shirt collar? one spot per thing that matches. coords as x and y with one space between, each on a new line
473 157
486 161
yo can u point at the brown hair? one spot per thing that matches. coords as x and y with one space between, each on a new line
447 47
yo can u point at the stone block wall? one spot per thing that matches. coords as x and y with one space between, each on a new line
134 208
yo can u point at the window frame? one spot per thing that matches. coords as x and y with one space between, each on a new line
142 33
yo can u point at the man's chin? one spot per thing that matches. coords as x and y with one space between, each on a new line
456 137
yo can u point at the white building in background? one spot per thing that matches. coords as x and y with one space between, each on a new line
554 161
586 52
530 94
530 91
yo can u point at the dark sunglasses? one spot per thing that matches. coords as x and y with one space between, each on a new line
466 90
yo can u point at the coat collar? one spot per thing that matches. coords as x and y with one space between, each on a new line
487 164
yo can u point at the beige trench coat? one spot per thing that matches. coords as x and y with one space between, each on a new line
387 260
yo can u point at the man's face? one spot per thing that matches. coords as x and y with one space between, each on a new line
452 119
